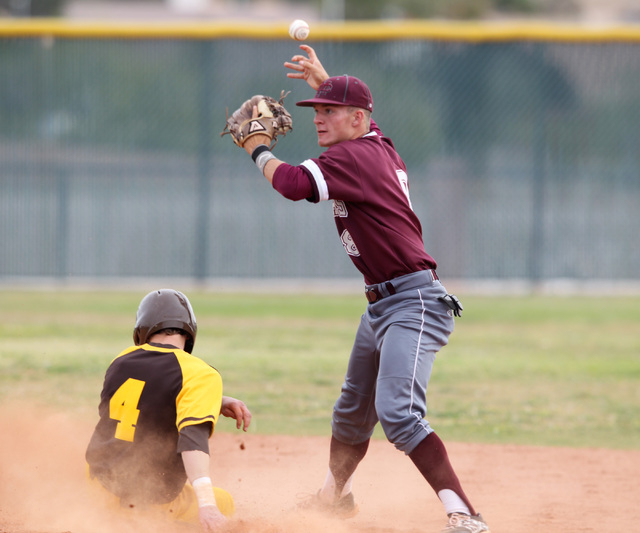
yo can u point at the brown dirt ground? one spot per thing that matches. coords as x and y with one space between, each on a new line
519 489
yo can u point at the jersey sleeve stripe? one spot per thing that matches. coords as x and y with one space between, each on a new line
318 178
192 421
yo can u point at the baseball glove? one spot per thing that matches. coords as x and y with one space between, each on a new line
273 120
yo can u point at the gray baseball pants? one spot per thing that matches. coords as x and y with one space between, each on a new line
391 362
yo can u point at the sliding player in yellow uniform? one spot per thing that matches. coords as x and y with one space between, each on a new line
158 408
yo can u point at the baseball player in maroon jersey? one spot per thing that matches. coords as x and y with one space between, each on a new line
158 408
410 315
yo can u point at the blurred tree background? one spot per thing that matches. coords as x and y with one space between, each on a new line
32 8
450 9
351 9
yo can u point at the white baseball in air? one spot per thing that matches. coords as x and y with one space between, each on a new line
299 30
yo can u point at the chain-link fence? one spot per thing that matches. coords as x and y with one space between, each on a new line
523 153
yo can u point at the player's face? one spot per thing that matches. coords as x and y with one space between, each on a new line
334 124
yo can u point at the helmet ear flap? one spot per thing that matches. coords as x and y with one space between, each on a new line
188 347
162 309
139 337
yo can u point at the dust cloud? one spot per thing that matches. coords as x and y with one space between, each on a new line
44 488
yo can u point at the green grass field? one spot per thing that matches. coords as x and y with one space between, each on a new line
525 370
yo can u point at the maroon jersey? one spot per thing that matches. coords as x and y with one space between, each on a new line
367 181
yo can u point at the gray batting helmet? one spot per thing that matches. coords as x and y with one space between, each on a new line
162 309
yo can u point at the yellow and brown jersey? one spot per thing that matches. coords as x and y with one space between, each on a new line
150 394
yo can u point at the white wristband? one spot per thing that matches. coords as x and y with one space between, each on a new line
204 491
263 159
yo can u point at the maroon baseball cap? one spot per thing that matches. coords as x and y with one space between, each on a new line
342 90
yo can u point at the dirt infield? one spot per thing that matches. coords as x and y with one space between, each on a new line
518 489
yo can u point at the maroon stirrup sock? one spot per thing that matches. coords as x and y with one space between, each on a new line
431 458
344 459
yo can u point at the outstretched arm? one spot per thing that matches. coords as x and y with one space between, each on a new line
305 68
269 168
196 465
236 409
309 68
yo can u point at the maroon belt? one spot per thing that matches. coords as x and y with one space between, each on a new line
374 294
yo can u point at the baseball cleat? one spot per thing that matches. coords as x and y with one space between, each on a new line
462 523
344 507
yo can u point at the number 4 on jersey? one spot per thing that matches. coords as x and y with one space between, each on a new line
123 407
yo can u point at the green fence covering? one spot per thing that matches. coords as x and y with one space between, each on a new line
522 145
